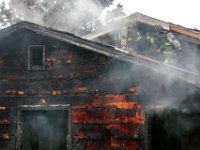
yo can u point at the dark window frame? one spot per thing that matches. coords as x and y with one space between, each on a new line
36 67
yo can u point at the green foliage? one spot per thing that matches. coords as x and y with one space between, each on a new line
7 16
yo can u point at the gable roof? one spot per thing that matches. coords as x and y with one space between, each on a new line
109 51
138 17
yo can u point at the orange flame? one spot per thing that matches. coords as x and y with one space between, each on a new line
133 90
20 92
51 59
2 108
103 111
81 89
55 92
5 136
43 101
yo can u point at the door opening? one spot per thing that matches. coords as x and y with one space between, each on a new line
43 129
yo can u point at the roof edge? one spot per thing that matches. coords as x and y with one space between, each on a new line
138 17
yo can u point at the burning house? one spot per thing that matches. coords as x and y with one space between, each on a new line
59 91
177 47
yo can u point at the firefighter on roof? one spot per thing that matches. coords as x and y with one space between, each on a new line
150 40
174 41
137 39
134 38
167 46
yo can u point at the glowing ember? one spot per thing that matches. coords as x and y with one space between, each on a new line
20 92
43 101
5 136
51 59
133 90
2 108
81 89
55 92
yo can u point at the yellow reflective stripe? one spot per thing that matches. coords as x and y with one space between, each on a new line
167 44
130 39
150 39
166 60
138 36
169 52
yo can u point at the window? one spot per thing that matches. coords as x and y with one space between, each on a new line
36 57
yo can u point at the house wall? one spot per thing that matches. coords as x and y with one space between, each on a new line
105 112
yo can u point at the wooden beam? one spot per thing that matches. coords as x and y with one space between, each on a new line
184 31
6 122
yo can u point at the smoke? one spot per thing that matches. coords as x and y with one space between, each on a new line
172 104
69 16
160 89
64 15
44 129
175 130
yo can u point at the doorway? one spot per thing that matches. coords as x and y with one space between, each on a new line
43 128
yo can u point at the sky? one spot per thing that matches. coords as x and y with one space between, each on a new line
182 12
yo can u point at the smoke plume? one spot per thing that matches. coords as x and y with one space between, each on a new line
69 16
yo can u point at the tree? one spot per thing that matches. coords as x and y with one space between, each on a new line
7 16
117 12
76 16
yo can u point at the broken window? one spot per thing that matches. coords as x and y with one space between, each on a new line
36 57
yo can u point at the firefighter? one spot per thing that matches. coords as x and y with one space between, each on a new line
165 49
174 41
168 52
134 38
150 40
168 46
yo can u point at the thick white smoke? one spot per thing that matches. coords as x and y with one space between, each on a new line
60 14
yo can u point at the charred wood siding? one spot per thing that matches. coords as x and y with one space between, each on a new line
105 113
